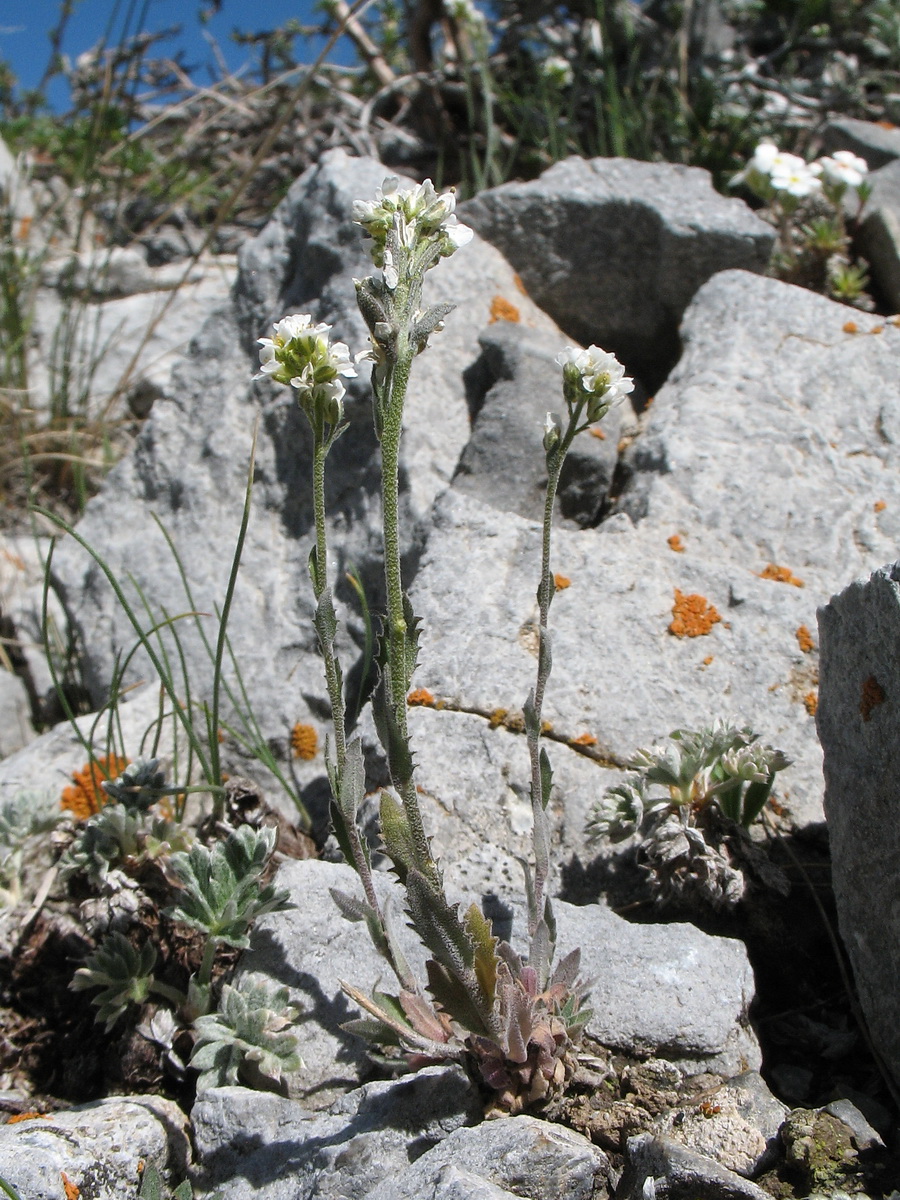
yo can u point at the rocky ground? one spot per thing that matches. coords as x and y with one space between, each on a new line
755 476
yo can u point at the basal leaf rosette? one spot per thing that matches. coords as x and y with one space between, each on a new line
300 354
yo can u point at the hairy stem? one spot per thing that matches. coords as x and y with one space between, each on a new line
321 446
546 587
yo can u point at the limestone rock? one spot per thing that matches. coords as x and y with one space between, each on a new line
770 458
521 1156
658 1168
859 725
98 1148
879 233
263 1146
873 142
614 250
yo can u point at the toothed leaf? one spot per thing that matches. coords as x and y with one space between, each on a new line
479 930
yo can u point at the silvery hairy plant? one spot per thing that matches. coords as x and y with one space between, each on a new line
125 833
24 822
690 833
218 891
513 1021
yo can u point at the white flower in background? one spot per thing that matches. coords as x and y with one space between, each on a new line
596 374
844 168
557 71
299 354
415 213
796 178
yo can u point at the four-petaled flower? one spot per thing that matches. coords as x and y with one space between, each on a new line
299 354
595 375
416 212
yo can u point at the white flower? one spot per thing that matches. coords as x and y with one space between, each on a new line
557 70
797 178
299 354
844 167
598 375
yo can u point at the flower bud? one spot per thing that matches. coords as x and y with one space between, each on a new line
552 431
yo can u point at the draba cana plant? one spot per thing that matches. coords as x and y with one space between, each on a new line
689 835
806 202
514 1022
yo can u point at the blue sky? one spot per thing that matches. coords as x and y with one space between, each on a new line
25 25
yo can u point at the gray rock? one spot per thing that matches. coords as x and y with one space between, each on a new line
521 1156
859 725
45 765
879 233
614 250
655 989
871 141
659 1168
138 328
264 1146
100 1148
865 1137
503 463
775 442
737 1126
16 729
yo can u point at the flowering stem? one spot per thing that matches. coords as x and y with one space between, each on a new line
321 446
546 587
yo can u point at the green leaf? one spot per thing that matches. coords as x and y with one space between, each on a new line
251 1026
755 799
438 925
398 840
532 724
455 999
546 778
221 893
478 927
124 975
353 782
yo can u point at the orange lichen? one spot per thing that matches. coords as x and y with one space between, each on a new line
29 1116
804 639
583 739
304 741
84 796
420 698
872 696
498 717
72 1190
877 329
879 505
502 310
597 432
707 660
811 702
546 726
520 285
692 616
675 543
886 124
850 327
781 575
561 582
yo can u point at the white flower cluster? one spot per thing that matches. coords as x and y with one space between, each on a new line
415 213
598 372
773 171
299 353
